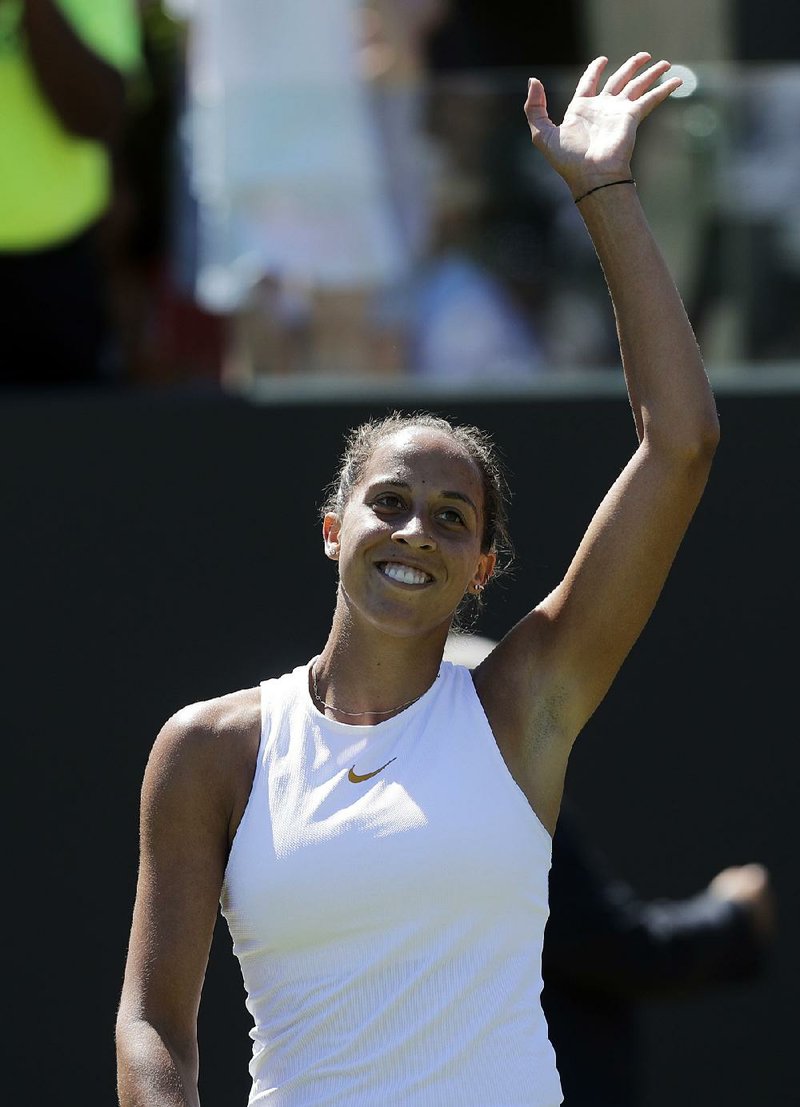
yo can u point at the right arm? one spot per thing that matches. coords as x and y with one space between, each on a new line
185 818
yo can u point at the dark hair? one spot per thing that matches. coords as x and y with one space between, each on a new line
361 442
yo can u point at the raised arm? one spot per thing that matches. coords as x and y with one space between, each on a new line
592 149
550 673
187 802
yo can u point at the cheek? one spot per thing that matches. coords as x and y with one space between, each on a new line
358 530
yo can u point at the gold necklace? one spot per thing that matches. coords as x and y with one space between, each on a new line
356 714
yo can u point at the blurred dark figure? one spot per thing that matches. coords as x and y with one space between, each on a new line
164 337
62 90
605 949
476 36
751 248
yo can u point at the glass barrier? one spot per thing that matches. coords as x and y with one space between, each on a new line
404 231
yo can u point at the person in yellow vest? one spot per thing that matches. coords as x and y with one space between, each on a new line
62 90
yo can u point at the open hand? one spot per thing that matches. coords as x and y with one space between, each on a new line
594 143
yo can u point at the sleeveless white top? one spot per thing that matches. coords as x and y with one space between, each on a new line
386 892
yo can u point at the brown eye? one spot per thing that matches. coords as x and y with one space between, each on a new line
388 500
450 515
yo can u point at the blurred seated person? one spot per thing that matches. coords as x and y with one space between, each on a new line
62 90
605 949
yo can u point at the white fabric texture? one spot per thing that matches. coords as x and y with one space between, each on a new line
390 930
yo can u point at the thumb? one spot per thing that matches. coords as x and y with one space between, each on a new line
536 111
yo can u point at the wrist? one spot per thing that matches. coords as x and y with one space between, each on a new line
607 184
582 183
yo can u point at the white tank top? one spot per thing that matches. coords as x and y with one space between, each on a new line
386 892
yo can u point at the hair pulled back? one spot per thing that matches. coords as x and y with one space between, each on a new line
362 441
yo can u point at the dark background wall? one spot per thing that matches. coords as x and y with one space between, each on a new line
156 553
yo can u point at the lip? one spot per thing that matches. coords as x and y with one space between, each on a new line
406 565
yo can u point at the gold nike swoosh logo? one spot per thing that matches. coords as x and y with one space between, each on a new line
357 778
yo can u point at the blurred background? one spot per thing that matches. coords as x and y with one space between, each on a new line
231 230
312 191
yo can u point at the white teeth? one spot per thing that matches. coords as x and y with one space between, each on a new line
404 573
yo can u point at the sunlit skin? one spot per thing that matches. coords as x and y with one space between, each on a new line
419 504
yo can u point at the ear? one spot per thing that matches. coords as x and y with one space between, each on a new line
331 525
483 572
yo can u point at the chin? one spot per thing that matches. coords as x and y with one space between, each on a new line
412 624
401 617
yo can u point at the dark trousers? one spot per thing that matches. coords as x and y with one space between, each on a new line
52 306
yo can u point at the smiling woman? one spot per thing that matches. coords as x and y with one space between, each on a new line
490 505
377 823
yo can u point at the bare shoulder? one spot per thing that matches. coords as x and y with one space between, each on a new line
210 730
205 755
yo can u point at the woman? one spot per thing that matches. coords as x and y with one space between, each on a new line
386 889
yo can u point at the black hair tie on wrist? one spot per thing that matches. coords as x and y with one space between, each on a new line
628 180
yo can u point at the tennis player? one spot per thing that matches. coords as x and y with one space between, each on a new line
377 823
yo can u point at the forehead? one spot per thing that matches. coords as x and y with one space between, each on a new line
426 456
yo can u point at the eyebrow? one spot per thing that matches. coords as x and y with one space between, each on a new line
447 494
460 496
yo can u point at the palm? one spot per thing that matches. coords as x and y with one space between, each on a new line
599 131
596 138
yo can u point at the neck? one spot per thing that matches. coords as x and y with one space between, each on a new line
362 672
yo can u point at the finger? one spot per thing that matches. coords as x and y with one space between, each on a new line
536 100
643 82
587 85
656 96
536 110
617 81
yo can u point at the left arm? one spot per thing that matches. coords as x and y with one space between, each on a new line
595 615
549 674
86 92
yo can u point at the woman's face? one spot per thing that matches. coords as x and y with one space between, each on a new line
409 541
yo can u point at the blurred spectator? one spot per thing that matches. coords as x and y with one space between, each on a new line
297 225
605 949
478 35
394 34
466 317
62 89
465 324
165 337
752 246
394 39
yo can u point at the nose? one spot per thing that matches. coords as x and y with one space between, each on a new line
413 533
